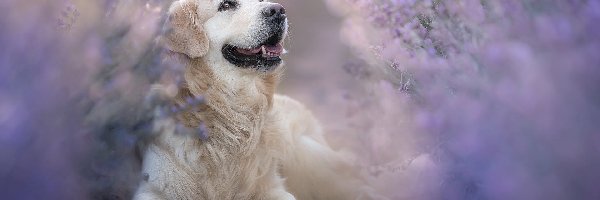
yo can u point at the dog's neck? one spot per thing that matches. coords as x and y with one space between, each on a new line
236 104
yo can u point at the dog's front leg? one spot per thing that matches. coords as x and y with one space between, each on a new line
279 194
273 188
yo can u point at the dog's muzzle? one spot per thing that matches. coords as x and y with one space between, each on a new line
266 55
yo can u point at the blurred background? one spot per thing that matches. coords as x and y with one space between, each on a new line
435 99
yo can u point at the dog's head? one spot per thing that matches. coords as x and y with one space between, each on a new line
242 34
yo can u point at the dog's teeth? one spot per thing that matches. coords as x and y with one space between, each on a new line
264 51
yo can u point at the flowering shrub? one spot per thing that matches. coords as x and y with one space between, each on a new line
76 100
461 99
505 92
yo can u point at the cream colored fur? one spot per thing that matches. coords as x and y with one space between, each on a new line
260 146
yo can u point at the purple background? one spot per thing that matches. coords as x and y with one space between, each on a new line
470 99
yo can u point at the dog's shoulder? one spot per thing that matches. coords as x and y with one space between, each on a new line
295 113
290 111
286 103
293 119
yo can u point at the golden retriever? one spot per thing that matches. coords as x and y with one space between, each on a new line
260 145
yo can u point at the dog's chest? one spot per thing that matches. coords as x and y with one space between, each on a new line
201 171
237 177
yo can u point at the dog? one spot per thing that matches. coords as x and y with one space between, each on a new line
260 145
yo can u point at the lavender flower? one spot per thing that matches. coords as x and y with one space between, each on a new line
466 99
505 93
75 98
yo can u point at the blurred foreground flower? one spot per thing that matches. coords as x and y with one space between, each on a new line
77 97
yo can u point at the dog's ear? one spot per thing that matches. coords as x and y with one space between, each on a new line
183 31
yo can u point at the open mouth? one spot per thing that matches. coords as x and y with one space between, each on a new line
264 50
263 56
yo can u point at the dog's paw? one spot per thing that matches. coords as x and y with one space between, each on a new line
280 195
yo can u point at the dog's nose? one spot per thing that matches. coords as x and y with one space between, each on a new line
274 11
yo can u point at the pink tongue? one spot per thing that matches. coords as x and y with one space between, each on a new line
277 49
249 51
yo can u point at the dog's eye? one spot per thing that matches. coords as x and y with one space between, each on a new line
228 5
261 0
